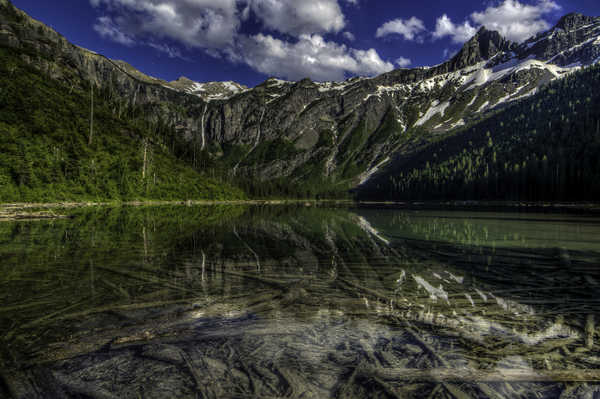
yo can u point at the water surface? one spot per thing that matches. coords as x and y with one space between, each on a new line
236 302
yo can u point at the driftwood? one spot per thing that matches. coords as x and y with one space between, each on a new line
82 388
442 375
354 330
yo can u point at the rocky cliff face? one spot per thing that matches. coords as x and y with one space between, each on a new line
339 131
574 41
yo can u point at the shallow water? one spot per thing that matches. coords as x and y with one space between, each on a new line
220 302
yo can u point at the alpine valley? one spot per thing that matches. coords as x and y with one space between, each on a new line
498 120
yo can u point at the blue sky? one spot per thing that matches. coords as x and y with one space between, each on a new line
249 40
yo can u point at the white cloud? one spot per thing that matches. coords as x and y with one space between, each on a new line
459 33
311 56
170 51
349 36
194 23
403 62
409 28
514 20
296 17
214 27
107 28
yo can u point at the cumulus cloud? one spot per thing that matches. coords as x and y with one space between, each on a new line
300 17
409 28
458 33
403 62
194 23
514 20
294 49
311 56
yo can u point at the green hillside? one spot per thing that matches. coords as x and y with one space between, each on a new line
544 148
48 155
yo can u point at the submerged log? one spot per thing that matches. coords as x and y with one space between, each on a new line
500 375
589 330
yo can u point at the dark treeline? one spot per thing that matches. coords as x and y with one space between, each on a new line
544 148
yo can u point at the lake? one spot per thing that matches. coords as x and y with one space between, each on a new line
300 302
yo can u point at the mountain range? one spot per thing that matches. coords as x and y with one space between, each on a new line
306 137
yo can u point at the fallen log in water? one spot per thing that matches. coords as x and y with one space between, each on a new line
499 375
9 216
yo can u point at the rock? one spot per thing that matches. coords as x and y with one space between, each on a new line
340 131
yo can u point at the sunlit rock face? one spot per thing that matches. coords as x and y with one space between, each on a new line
229 302
338 131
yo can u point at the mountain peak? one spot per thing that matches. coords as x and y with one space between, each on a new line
490 39
481 47
573 40
480 32
573 21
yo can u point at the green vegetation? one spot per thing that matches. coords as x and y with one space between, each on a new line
544 148
271 150
48 153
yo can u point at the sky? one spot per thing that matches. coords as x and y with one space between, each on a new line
248 41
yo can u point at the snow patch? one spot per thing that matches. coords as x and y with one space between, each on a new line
458 124
367 175
572 49
485 104
196 87
330 86
231 86
502 100
528 94
277 82
436 108
478 78
472 100
484 75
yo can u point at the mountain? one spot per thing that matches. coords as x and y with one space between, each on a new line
543 148
52 151
208 91
310 138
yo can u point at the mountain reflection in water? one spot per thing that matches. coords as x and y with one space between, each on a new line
236 302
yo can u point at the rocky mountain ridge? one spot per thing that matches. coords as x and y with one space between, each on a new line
339 132
207 91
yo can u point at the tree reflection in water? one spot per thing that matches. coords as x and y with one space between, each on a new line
294 302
